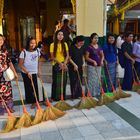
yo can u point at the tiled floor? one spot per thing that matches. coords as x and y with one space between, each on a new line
100 123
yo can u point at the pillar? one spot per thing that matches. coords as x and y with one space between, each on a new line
52 15
90 17
1 14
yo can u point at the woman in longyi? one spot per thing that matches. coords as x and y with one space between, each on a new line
5 86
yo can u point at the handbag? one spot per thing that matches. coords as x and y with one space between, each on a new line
8 74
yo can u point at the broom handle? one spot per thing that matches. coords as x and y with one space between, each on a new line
135 72
85 79
86 82
20 93
80 83
38 106
8 111
62 97
79 78
99 80
109 77
134 80
104 78
48 102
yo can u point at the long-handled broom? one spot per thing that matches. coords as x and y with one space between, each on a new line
121 93
11 120
108 93
104 99
89 97
39 112
84 102
25 120
51 112
116 95
136 85
62 105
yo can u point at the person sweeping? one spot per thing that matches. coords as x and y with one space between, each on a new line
29 64
77 62
59 56
94 58
111 61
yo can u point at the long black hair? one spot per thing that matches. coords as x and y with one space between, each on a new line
56 43
111 45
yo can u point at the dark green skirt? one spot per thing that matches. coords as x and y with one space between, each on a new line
56 83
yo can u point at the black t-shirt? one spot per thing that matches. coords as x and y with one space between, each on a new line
127 47
77 54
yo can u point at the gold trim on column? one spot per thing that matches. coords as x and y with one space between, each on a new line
1 10
74 6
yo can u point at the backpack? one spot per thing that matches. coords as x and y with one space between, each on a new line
121 57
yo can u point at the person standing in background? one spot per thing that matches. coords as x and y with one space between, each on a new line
136 53
128 61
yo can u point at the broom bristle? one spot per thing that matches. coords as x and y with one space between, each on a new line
92 101
49 115
9 124
24 121
57 112
63 106
38 116
136 87
123 94
83 104
105 100
138 91
116 95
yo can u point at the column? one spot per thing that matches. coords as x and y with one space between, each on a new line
90 17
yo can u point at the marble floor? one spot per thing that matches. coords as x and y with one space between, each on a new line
105 122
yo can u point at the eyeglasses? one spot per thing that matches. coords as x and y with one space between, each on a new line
130 35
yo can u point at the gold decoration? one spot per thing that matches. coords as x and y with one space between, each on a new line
74 6
1 10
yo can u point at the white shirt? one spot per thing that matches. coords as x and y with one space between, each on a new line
30 60
119 42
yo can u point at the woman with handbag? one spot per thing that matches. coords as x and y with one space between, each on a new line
5 86
59 55
29 64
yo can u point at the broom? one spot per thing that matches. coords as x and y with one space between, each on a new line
62 105
116 95
104 99
121 93
136 85
89 97
39 112
25 120
107 88
11 120
84 102
51 112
